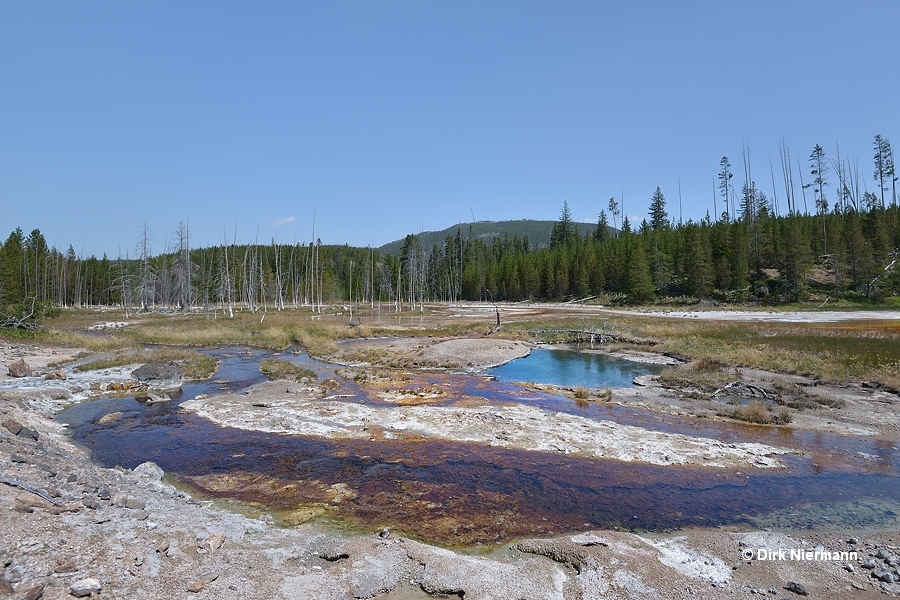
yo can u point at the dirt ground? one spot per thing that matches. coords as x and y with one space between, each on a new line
70 527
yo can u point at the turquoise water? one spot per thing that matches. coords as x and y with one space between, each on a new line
573 369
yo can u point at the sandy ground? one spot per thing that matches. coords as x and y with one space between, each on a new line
467 354
64 521
38 357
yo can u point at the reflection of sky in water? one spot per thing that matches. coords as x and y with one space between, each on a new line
569 368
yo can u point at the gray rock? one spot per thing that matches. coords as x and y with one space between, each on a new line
883 575
103 492
17 458
85 587
72 478
869 564
161 374
58 375
150 470
28 433
853 540
90 502
19 368
134 504
798 588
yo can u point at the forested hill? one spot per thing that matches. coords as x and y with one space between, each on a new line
537 232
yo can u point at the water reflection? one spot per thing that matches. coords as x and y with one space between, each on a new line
573 369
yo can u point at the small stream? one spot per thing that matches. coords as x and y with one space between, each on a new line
462 494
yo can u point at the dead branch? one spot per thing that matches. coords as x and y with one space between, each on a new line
749 387
29 489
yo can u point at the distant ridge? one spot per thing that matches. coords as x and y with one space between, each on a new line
538 233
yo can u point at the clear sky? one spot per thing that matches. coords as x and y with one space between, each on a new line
384 118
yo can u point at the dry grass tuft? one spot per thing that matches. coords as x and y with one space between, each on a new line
754 412
278 368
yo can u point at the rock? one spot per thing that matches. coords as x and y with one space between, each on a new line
883 575
196 586
160 374
19 368
120 386
853 540
85 587
103 492
72 478
5 587
13 426
133 503
28 433
215 541
162 547
17 458
58 375
90 502
156 398
34 593
109 418
798 588
869 564
149 469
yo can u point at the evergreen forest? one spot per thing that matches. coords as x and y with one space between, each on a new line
830 239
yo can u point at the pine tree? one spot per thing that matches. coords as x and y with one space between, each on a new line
697 267
12 259
563 231
659 219
601 234
638 281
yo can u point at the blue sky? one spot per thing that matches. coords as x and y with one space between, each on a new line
387 118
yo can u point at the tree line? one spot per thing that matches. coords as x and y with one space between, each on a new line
847 246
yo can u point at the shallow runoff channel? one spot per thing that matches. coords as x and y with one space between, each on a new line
467 494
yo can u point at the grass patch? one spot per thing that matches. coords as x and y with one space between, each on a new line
761 413
278 368
754 412
197 365
705 374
